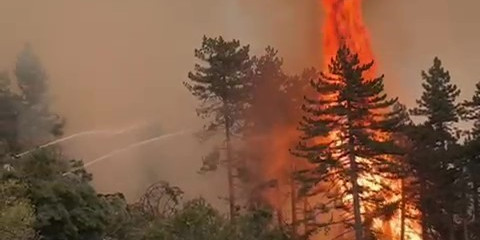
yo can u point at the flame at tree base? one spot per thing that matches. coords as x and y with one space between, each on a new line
344 25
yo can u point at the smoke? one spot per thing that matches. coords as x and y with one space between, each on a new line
407 35
112 63
133 146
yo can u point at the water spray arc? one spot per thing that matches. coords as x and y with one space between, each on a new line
135 145
130 147
84 133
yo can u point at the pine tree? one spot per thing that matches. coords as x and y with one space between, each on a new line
37 123
404 169
346 133
222 85
472 111
472 160
438 101
435 159
472 156
473 107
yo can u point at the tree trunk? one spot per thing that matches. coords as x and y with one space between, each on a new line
305 215
451 233
358 228
280 217
293 202
465 215
355 192
402 210
465 230
231 190
476 207
423 210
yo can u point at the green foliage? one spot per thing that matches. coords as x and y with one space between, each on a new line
16 211
197 220
350 118
124 222
220 82
66 206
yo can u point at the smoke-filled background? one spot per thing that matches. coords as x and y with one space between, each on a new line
113 64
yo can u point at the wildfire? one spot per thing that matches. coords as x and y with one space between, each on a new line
344 25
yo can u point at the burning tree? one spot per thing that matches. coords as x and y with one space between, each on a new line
272 118
263 121
346 137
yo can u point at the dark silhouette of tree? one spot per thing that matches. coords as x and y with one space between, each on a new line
221 82
438 101
471 164
435 158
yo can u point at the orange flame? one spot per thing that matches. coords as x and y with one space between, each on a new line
344 25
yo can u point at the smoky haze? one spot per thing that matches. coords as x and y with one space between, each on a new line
407 35
113 64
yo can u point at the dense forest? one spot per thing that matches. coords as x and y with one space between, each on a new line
348 155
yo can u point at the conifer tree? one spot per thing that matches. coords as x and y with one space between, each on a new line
37 123
346 132
472 156
221 82
438 101
435 160
472 111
